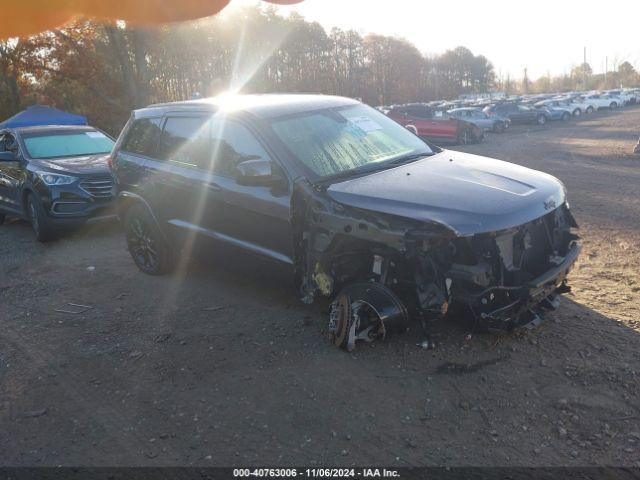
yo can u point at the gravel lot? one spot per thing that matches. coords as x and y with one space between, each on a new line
221 365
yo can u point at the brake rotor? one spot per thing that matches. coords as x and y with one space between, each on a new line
341 321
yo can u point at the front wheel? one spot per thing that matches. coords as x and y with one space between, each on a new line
541 120
589 109
498 127
613 106
38 219
577 112
566 116
145 242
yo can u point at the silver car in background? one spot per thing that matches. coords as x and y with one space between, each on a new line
480 119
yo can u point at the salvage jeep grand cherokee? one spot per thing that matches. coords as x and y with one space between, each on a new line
354 202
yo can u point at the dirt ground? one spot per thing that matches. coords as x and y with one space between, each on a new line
222 365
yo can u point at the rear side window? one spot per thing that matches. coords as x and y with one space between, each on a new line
143 137
186 140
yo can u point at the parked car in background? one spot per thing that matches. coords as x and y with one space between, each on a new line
564 105
555 112
55 177
601 101
579 105
634 95
517 114
623 97
435 126
480 119
357 207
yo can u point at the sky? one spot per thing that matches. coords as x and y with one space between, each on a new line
544 36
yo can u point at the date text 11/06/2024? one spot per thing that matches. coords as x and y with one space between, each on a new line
316 473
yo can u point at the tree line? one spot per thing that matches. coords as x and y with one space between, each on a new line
104 71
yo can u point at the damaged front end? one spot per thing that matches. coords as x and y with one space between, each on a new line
390 270
507 279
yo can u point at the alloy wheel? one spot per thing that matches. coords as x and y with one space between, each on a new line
141 244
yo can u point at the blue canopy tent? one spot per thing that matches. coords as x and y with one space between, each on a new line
43 115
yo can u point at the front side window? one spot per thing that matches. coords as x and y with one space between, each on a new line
334 141
185 141
232 144
143 136
51 145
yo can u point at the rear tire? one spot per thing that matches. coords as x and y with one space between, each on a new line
589 109
613 106
566 117
498 127
38 219
541 119
577 112
464 137
147 246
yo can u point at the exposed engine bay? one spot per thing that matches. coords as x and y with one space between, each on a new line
389 271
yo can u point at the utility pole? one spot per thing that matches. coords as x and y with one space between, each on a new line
525 82
584 69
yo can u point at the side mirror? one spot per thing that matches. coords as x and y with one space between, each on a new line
257 173
8 156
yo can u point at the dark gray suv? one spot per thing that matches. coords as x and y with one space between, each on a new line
353 203
55 176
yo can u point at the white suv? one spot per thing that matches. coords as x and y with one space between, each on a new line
601 100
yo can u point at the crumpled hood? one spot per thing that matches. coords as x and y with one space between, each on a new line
467 193
94 164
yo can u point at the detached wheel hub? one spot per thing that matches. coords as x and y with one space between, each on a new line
365 311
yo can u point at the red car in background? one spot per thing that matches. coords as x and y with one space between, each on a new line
425 123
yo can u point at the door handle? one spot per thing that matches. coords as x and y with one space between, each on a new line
214 187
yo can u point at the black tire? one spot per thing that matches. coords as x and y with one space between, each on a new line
613 106
541 119
2 217
589 109
566 116
465 137
38 219
147 246
498 127
577 112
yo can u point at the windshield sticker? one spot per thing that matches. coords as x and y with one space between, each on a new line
364 123
96 135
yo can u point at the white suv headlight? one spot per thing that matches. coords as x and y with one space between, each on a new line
56 178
